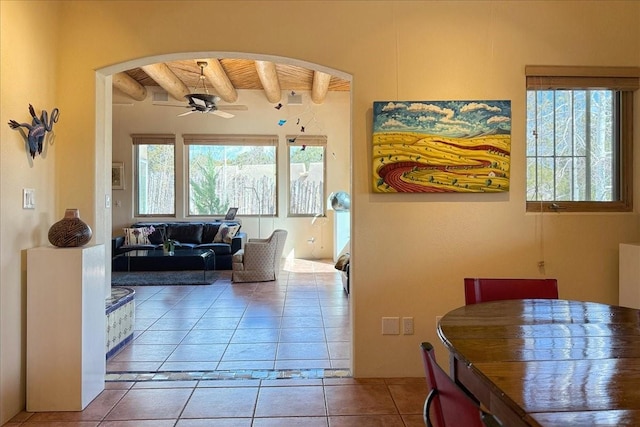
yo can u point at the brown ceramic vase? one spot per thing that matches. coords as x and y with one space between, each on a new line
70 231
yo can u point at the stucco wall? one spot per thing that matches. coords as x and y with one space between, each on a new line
28 71
410 251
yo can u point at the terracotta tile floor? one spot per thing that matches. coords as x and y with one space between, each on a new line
329 402
300 321
262 355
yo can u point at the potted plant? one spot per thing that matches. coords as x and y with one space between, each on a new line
169 246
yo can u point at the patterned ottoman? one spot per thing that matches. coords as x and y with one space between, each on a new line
120 312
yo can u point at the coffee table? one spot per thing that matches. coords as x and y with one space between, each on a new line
182 259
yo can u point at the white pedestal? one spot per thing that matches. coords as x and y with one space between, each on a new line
629 275
65 327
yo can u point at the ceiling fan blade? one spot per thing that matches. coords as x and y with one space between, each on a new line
223 114
232 107
186 113
198 101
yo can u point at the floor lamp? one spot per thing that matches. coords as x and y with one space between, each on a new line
259 208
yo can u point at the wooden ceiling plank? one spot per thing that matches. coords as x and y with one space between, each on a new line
129 86
269 79
167 79
320 86
220 81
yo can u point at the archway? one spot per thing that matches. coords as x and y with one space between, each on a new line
104 120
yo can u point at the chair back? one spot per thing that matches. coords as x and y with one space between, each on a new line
447 404
280 237
478 290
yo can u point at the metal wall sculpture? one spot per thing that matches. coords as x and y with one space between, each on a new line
37 128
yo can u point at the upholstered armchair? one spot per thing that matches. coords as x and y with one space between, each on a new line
259 260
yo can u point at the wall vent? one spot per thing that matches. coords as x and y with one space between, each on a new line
294 99
160 96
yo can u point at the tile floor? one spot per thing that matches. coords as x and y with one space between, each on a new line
331 402
261 355
300 321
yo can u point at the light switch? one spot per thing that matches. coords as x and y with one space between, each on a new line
107 201
28 198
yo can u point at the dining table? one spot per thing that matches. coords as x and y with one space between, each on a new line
548 362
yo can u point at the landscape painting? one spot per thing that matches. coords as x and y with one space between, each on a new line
441 146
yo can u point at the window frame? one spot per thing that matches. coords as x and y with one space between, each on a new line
625 80
229 140
314 141
151 139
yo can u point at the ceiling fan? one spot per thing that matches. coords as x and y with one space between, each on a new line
205 102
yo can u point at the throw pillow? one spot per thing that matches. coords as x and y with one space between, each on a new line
157 236
233 230
136 236
226 233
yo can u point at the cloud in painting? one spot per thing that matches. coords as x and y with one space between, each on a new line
473 106
393 123
498 119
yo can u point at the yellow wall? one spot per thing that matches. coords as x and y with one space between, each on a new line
410 252
28 72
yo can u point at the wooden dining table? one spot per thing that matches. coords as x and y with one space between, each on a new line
548 362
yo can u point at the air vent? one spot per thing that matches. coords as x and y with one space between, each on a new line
294 99
160 96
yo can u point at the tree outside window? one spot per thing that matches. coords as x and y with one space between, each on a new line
307 168
579 139
155 176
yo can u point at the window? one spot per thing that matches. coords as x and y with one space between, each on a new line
155 193
307 166
231 171
579 138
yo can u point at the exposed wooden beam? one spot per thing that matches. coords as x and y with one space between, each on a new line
166 78
129 86
320 86
220 81
269 79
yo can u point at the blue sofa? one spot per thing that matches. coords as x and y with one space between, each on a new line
187 235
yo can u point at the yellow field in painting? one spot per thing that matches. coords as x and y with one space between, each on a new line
478 164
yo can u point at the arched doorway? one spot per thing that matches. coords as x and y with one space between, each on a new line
103 107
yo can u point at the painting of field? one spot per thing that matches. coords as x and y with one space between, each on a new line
441 146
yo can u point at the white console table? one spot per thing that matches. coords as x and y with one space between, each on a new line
65 327
629 275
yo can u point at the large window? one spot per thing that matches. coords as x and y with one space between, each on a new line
579 138
155 193
307 166
231 171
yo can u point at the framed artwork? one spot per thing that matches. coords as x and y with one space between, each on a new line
117 176
441 146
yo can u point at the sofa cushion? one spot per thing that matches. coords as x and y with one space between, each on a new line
185 232
157 237
209 231
136 236
218 248
226 233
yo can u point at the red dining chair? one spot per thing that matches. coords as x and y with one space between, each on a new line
447 404
482 290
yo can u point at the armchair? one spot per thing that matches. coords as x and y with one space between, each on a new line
259 260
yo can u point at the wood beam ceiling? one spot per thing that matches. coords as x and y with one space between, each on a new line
226 76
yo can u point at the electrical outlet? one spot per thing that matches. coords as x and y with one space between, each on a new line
390 326
407 325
